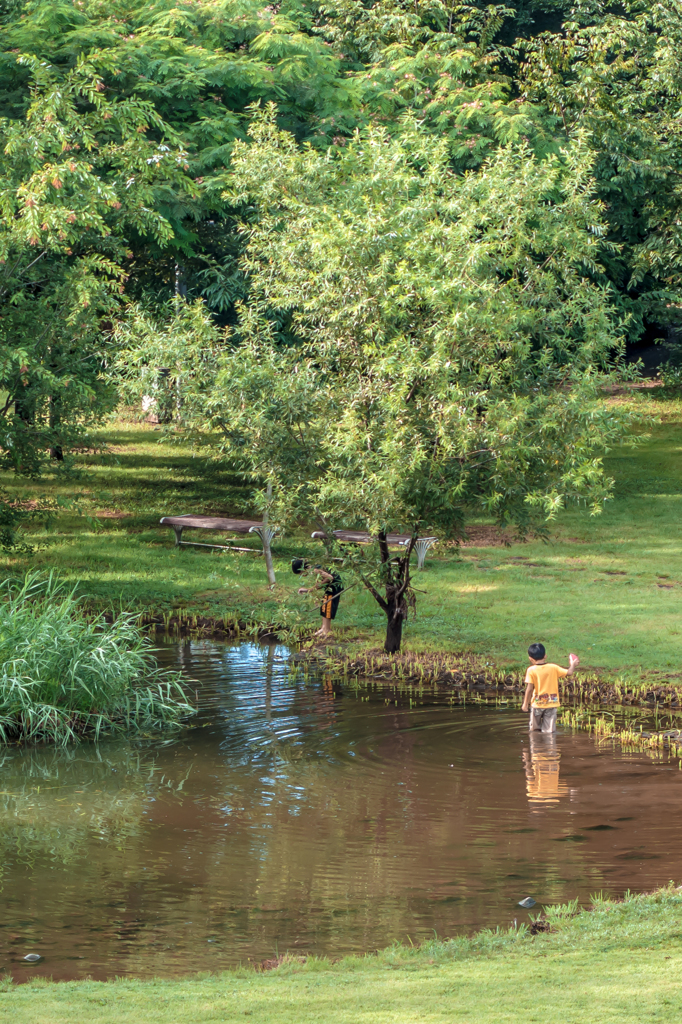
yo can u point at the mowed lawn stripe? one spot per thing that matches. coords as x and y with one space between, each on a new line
618 963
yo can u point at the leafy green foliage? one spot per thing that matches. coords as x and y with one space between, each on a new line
614 76
418 345
479 76
440 321
162 336
443 63
77 176
198 66
329 69
63 677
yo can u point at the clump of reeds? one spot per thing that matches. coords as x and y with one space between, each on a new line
462 670
626 734
181 622
64 676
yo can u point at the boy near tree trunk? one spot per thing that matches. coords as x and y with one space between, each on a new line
542 688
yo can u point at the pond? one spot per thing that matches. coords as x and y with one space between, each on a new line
311 816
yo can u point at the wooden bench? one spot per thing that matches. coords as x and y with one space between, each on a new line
421 546
192 522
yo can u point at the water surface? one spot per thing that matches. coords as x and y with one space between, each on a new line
306 815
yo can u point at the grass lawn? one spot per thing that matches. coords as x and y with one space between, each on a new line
609 587
617 963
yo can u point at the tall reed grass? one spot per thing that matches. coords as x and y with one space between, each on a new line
64 676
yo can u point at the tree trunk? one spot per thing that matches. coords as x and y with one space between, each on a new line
56 450
265 537
180 281
24 410
396 583
267 553
394 630
164 396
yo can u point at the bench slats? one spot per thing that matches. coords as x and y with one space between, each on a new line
421 546
211 523
363 537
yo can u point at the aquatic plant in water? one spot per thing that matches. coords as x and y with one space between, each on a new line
64 676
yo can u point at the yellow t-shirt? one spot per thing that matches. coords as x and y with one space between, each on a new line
545 680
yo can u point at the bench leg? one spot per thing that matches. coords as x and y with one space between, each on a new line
421 547
178 535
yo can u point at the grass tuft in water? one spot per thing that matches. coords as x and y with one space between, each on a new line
64 676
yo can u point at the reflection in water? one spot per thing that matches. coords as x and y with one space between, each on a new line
543 763
305 816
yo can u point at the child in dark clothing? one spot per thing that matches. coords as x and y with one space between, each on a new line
330 583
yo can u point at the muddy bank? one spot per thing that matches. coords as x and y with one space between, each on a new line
469 673
174 625
461 672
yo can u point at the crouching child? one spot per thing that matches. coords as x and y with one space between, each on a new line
331 585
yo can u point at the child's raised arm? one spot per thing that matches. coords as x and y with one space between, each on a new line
573 662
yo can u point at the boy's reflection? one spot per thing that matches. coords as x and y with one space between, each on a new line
542 770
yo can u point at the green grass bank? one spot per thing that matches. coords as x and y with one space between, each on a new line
618 962
608 587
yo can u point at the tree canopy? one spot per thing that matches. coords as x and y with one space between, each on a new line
418 345
479 75
78 177
389 251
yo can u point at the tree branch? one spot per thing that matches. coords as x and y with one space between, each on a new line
406 579
375 594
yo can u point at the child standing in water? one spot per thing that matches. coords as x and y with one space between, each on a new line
330 583
542 688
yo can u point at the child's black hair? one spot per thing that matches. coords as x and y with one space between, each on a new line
298 565
536 652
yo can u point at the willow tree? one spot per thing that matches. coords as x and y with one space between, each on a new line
418 346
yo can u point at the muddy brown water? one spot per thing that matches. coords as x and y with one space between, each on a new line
309 816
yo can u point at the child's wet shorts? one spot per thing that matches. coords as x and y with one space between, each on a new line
329 606
543 719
